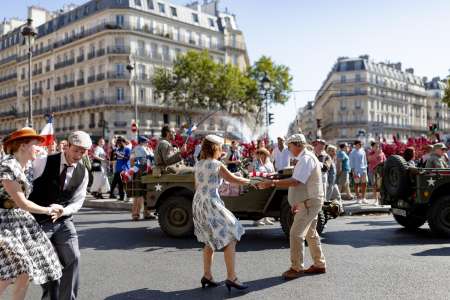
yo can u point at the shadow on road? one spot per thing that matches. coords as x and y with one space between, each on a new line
444 251
381 237
153 239
199 293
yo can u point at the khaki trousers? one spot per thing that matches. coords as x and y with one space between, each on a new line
304 226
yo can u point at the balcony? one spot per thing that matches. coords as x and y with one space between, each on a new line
81 126
80 81
64 64
64 86
80 58
350 94
120 49
91 125
142 77
91 79
71 127
8 95
100 77
8 77
8 59
91 55
37 72
101 52
10 113
48 68
119 76
120 124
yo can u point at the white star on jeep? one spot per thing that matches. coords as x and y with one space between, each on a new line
158 187
431 181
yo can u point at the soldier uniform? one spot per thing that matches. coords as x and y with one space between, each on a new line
436 161
166 157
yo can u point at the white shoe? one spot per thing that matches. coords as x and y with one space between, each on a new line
359 201
365 201
268 221
259 223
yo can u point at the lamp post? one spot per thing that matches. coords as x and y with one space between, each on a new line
130 68
29 33
266 85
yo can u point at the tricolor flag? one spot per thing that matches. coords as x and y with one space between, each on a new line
191 129
48 132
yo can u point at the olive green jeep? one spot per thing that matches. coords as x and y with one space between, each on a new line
417 195
171 196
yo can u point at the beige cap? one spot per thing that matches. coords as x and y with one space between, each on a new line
80 139
297 138
439 146
214 139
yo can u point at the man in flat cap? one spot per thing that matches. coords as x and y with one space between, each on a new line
306 197
62 178
437 160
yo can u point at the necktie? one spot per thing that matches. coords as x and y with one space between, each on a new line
62 177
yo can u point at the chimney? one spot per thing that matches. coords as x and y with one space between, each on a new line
410 70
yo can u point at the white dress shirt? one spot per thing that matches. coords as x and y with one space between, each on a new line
304 167
281 158
80 192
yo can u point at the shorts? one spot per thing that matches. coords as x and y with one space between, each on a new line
343 179
135 188
362 178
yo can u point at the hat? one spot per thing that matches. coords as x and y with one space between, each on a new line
264 151
297 138
80 139
142 139
320 141
214 139
23 133
439 146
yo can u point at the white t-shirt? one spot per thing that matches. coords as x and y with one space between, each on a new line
281 158
304 167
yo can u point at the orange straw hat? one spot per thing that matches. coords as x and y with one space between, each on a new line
24 133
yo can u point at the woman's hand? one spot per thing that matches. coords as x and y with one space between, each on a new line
264 184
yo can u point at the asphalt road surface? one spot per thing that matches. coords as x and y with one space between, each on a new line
368 257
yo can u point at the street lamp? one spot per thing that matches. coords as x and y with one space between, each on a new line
29 34
266 85
130 68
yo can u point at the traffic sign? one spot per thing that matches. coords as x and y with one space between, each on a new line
134 127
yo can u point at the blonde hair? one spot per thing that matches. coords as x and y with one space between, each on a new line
331 148
210 150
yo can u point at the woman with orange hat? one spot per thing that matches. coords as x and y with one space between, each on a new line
26 254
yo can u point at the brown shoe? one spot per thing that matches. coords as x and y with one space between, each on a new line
315 270
292 274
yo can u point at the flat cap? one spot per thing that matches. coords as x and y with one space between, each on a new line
296 138
214 139
439 146
80 139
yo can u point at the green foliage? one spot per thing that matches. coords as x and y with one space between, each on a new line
446 98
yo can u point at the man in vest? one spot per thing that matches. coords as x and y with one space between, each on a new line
62 179
306 197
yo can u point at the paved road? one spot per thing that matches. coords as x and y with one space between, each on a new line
368 257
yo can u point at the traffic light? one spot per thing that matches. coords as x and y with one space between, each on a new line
319 123
271 119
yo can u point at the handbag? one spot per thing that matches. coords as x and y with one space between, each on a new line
96 165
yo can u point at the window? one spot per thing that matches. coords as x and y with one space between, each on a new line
120 20
137 2
141 48
178 120
150 4
173 11
343 79
211 22
120 94
166 119
358 77
195 17
120 69
162 8
166 53
142 95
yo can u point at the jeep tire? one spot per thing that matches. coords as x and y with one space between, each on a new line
175 216
439 217
396 180
286 218
410 222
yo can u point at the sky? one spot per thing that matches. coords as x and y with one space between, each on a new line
308 36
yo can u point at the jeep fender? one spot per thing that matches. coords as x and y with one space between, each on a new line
174 191
275 200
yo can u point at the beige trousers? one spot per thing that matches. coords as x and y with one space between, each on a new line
304 226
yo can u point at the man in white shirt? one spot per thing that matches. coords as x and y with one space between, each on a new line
280 155
305 197
62 179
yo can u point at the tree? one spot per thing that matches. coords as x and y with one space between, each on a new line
446 98
196 81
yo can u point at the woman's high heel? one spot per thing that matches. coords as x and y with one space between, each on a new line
208 283
235 284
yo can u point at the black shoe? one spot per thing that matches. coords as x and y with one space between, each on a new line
99 196
111 196
235 284
208 282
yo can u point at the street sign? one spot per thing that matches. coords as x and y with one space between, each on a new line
133 127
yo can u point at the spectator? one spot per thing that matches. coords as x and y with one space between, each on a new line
358 164
262 162
280 155
122 154
436 160
333 193
343 171
62 146
100 184
410 155
376 157
233 158
324 159
426 156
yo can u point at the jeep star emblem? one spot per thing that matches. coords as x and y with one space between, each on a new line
158 187
431 181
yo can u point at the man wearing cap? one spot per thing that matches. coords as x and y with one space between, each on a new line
280 155
436 160
62 179
305 197
167 156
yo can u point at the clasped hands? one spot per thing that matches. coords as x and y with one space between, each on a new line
55 211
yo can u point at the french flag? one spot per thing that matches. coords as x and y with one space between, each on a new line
48 133
191 129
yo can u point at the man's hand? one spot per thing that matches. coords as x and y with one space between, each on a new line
264 184
56 211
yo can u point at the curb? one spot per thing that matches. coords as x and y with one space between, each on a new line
112 204
351 208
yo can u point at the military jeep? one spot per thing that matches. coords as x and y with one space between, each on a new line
417 195
171 196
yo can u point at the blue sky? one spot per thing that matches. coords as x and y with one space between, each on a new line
308 36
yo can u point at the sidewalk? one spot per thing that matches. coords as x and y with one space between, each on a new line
350 206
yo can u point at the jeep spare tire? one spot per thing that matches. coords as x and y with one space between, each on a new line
396 179
175 216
